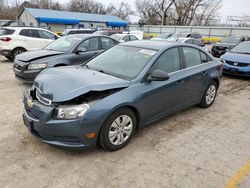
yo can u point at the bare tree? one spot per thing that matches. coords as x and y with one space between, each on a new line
178 12
123 10
207 13
88 6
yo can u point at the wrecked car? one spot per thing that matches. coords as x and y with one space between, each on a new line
103 102
68 50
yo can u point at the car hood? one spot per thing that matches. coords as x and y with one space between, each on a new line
242 58
230 45
66 83
37 54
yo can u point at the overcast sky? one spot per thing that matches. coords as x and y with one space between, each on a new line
229 8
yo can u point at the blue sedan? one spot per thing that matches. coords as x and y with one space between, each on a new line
237 61
121 90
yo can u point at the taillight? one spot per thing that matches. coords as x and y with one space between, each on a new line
5 39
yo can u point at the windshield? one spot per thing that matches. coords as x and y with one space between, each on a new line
231 40
122 61
6 31
164 35
64 44
242 48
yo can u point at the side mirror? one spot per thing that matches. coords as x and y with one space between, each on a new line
122 40
158 75
80 49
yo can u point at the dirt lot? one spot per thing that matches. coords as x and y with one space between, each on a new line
196 148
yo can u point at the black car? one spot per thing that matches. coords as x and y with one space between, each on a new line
68 50
225 44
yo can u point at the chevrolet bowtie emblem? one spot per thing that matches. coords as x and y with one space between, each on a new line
30 103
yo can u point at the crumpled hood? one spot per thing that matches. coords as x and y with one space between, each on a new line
66 83
230 45
242 58
37 54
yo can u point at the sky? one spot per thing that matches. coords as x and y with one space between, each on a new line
229 7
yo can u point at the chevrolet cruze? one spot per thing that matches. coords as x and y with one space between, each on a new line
121 90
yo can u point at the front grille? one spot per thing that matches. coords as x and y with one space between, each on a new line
223 48
237 64
42 99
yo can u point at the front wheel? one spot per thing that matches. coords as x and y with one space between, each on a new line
209 95
118 129
16 52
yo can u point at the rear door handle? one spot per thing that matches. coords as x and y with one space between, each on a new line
204 74
179 82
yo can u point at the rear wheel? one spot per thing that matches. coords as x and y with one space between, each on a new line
209 95
17 51
118 129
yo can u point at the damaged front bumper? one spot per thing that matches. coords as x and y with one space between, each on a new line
38 118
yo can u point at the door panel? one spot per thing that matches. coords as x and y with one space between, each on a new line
195 74
163 97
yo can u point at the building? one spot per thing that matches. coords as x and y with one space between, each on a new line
58 21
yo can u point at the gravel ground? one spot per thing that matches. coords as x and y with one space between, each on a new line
196 148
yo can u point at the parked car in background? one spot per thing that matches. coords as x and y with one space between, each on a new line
124 37
226 44
123 89
237 60
163 36
187 41
194 35
16 40
68 50
108 32
77 31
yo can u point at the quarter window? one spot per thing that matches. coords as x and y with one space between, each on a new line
46 35
204 58
107 43
90 44
169 61
192 56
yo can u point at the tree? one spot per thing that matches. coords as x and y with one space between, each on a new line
178 12
123 10
88 6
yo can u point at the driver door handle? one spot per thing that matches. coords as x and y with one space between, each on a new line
180 82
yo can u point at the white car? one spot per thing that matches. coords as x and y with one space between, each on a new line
16 40
124 37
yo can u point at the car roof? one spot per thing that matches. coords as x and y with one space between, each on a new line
84 36
150 44
80 29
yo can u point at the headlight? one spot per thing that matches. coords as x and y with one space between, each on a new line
222 60
37 66
71 112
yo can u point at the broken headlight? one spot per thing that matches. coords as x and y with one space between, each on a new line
71 112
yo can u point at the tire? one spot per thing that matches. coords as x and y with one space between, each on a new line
16 52
209 95
9 58
114 134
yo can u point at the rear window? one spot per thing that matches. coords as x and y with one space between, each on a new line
4 31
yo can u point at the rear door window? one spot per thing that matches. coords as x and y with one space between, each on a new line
90 44
4 31
192 56
107 43
30 33
132 38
